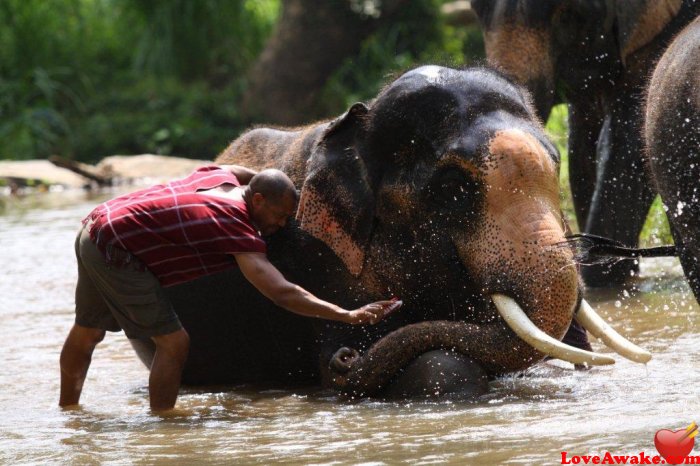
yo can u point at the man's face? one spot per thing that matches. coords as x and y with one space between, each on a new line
268 215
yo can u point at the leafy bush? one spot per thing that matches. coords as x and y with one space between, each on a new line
87 78
161 116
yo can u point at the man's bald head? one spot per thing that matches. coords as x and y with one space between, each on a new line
274 185
271 198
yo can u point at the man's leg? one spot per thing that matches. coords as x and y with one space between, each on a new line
92 318
75 361
166 369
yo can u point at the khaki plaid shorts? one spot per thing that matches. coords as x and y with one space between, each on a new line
125 297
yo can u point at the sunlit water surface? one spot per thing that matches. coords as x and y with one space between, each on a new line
528 419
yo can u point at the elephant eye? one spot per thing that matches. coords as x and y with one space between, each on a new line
451 188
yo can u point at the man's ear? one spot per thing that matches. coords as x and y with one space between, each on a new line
257 199
336 204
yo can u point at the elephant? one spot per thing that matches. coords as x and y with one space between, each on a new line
442 191
595 55
672 135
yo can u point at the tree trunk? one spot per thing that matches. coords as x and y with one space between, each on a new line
311 39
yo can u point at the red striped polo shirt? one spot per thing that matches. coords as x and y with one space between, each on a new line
178 232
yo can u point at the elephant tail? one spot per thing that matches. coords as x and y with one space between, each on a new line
593 249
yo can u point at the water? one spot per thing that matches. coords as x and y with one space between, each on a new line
529 419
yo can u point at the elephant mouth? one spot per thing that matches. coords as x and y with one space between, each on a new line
500 303
521 324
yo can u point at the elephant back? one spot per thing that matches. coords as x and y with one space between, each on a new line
285 149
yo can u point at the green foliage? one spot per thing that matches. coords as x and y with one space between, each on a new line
46 48
200 39
657 230
87 78
557 129
161 116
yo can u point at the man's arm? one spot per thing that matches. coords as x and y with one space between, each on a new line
271 283
243 174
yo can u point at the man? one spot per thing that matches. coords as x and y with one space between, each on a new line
134 245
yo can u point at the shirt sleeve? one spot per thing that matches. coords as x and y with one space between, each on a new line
243 237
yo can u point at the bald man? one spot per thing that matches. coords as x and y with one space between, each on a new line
133 246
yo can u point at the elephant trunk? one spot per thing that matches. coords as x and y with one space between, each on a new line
492 345
366 375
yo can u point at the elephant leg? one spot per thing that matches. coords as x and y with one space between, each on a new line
439 374
684 228
623 191
585 122
690 260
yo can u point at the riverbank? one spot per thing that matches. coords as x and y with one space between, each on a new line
26 176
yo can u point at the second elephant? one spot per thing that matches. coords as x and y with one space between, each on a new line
672 132
596 55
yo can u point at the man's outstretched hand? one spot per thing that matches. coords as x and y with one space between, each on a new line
374 312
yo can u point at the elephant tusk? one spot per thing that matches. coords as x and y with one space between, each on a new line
592 322
521 324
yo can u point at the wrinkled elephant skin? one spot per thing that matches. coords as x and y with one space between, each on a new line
672 131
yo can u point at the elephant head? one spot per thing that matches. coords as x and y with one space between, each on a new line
444 191
551 44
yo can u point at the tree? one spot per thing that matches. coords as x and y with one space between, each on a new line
310 41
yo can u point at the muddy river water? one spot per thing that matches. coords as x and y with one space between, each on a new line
528 419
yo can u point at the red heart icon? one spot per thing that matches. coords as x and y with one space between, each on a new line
674 446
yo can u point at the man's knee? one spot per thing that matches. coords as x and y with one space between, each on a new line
177 343
86 337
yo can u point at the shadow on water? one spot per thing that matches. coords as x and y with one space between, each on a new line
527 418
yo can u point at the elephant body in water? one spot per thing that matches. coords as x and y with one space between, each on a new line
442 191
672 131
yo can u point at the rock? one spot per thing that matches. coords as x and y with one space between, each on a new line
142 169
29 172
147 167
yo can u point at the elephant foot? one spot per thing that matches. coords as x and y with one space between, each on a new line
439 374
609 275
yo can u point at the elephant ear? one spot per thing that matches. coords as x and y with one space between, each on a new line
336 204
639 21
